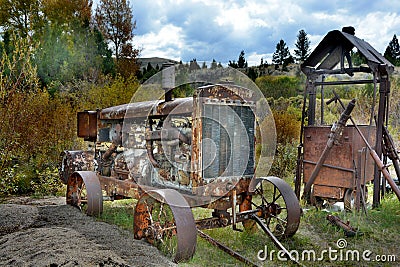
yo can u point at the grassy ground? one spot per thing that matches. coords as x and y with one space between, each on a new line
378 232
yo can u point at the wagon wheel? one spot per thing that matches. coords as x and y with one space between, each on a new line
84 192
277 206
163 217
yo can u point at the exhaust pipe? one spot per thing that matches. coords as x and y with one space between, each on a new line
168 80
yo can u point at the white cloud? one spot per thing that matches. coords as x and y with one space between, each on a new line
378 34
207 29
167 42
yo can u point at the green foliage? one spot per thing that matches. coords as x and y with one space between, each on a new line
70 14
115 21
287 116
47 182
278 86
357 58
292 104
394 109
287 126
108 64
35 127
8 180
285 160
392 52
241 61
252 74
22 17
117 92
61 58
148 72
119 212
302 46
184 90
282 55
17 73
64 45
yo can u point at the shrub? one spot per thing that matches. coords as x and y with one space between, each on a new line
116 92
285 160
287 127
278 86
35 127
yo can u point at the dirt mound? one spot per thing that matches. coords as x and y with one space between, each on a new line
60 235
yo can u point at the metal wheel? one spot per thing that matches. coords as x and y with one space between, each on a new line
277 206
164 218
84 192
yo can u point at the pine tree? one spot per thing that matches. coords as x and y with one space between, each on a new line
392 52
241 61
303 46
281 56
193 65
233 64
213 64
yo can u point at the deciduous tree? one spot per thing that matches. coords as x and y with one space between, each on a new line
71 13
114 19
22 17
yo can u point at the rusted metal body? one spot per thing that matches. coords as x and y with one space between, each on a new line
349 166
333 138
337 173
175 154
73 161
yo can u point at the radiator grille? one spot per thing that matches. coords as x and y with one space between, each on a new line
228 140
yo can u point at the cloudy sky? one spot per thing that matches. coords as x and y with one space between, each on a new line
220 29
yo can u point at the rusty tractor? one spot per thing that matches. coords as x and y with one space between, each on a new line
173 154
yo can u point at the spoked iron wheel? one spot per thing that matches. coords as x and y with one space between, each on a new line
277 206
84 192
165 220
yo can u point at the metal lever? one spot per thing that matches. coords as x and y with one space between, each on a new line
273 238
334 98
331 100
226 249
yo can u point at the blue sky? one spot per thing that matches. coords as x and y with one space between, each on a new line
209 29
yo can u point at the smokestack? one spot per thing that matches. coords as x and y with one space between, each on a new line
168 79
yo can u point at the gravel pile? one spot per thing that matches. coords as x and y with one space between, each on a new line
55 234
